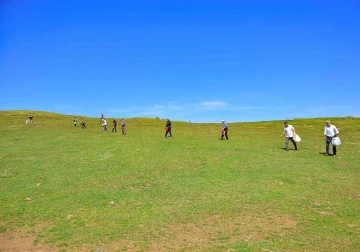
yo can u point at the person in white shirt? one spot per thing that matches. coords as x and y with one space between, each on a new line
330 131
104 125
289 132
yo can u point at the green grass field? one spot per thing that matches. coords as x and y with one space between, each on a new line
82 190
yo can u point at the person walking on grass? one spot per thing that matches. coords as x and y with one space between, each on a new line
75 121
123 126
104 124
168 128
330 131
30 119
83 123
224 131
114 126
289 132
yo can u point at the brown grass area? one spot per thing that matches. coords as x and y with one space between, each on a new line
357 197
212 232
216 231
16 240
206 233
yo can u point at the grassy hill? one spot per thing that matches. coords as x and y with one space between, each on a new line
84 189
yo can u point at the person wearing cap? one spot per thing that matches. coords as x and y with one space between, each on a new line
289 132
330 131
224 130
168 128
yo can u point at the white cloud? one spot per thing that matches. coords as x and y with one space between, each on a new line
323 111
183 109
211 105
235 108
67 107
211 111
171 107
114 110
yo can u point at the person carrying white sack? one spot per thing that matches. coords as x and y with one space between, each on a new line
330 132
289 132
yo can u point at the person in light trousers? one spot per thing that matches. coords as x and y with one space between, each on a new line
330 131
289 132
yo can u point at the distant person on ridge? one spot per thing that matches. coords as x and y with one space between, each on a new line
168 128
31 119
289 132
123 126
102 118
114 126
83 123
104 124
75 121
224 131
330 131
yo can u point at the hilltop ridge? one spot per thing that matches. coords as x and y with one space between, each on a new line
56 115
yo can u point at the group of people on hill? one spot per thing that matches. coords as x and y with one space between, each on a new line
330 131
122 124
103 121
82 122
224 131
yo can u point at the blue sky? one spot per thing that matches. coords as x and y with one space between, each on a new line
199 61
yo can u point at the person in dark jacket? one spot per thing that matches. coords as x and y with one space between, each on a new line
168 128
114 126
224 130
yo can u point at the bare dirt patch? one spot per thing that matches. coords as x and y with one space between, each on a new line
206 233
218 230
324 212
15 241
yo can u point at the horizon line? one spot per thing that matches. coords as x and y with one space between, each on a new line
27 111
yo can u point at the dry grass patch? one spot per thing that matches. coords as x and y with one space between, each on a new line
204 234
16 240
217 231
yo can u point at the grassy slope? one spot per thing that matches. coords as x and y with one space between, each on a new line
142 191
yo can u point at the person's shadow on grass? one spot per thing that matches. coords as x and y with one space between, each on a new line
323 153
285 149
